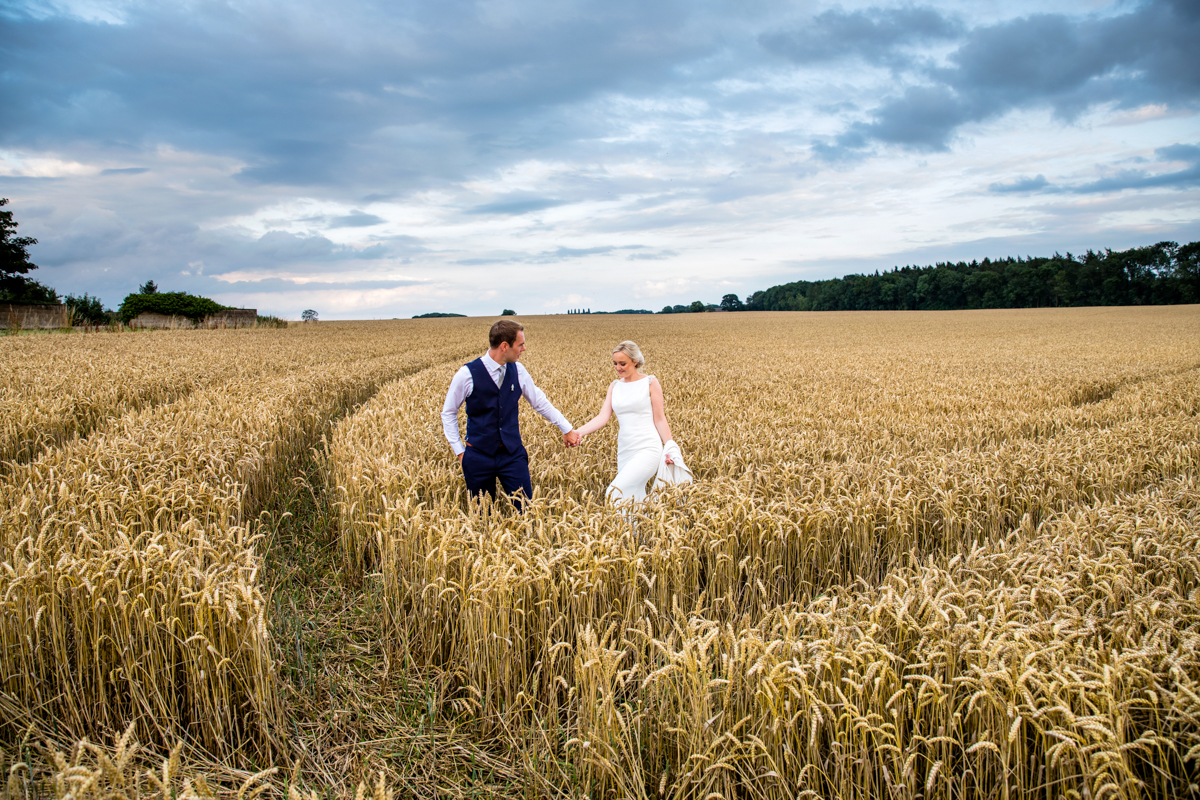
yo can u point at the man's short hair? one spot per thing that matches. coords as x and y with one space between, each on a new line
504 330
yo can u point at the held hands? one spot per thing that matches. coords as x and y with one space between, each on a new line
571 438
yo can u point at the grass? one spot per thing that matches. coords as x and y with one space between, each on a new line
355 709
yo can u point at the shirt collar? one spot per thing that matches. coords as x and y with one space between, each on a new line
491 366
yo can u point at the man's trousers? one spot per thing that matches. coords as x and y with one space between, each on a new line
481 471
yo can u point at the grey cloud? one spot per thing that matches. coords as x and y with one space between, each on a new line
1141 179
294 161
1138 179
844 149
125 171
1179 152
551 256
515 207
659 256
566 253
921 119
355 219
401 244
872 34
385 100
368 103
285 248
286 285
32 179
1020 185
1068 63
92 236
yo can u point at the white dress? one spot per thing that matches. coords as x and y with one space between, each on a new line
639 447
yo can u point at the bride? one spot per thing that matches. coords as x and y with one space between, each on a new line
637 400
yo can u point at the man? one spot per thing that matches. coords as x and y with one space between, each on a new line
491 386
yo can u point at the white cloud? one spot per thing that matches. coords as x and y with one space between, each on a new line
567 301
22 165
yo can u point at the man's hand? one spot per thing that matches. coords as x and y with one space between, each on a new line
571 438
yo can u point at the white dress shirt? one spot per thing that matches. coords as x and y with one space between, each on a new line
463 384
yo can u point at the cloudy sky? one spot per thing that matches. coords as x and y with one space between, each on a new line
386 159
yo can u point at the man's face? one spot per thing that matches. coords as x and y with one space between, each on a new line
511 353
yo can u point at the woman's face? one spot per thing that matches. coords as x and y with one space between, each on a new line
623 364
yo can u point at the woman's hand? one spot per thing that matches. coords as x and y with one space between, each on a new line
668 459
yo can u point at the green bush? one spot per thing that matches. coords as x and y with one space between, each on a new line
86 310
21 290
172 304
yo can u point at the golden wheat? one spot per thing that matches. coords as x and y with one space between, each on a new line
942 555
130 587
821 475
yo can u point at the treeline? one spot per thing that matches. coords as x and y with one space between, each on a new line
1160 274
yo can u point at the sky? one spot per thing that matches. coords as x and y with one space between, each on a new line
378 160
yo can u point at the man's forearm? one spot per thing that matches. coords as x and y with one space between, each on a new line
450 429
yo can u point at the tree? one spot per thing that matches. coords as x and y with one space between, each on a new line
508 312
308 315
86 309
696 307
149 287
1187 272
15 264
14 250
730 302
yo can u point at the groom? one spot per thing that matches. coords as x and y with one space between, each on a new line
491 386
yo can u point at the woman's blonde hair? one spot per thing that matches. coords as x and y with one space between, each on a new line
632 350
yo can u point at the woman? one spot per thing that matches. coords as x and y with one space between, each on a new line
637 400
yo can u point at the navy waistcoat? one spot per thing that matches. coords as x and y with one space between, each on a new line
492 418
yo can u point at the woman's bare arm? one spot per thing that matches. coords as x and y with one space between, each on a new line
601 419
660 413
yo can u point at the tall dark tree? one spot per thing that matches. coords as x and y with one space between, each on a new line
15 264
1187 272
730 302
86 310
149 287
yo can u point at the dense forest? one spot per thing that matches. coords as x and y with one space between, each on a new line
1159 274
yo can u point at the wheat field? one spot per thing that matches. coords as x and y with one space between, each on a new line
933 555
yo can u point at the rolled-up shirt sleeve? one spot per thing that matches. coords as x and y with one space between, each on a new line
460 386
537 399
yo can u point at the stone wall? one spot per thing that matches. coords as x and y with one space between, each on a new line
229 318
33 316
232 318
